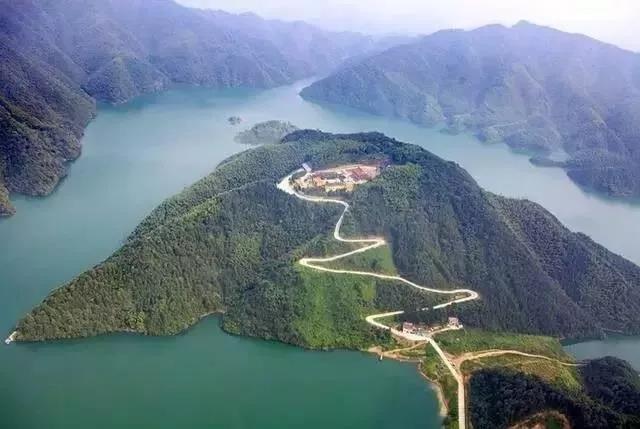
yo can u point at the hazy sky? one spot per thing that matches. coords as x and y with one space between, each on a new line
614 21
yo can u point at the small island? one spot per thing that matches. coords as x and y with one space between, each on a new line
542 161
234 120
268 132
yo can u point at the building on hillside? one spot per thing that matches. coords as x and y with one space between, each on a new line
408 327
454 322
318 181
360 175
306 167
335 187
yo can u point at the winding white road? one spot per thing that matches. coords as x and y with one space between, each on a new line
459 360
372 243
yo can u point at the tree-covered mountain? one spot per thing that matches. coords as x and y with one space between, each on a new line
229 244
532 87
58 56
501 397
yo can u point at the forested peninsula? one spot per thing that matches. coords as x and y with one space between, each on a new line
535 88
228 242
229 245
57 58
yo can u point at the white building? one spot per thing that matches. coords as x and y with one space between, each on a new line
408 327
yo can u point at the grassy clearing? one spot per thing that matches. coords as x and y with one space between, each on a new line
547 420
323 246
378 260
562 376
472 340
333 308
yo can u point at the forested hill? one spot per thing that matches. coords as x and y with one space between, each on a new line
532 87
609 398
229 243
57 56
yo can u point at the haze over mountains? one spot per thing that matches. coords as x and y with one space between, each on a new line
59 56
472 271
533 87
530 86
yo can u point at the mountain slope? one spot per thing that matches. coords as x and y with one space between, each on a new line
57 56
608 398
229 243
42 115
533 87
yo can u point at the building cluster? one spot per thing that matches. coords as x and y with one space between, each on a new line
412 328
343 178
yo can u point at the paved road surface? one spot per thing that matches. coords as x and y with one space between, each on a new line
372 243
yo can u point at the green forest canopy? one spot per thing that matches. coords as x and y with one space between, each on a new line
229 243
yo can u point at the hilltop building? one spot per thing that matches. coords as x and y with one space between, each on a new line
408 327
337 179
454 322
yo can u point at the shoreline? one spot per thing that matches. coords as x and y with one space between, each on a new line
371 243
443 409
11 338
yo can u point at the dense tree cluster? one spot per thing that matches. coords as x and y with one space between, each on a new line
533 274
229 243
501 397
614 383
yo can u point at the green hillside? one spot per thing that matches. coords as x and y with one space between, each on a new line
229 243
58 57
535 88
501 396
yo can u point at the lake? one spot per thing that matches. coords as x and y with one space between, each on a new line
138 154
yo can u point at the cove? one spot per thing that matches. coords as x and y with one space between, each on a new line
134 156
208 379
138 154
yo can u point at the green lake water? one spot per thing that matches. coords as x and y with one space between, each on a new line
138 154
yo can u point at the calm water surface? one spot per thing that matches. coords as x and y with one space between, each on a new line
138 154
627 348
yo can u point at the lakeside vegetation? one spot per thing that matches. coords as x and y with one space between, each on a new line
230 243
473 340
509 390
6 208
436 371
552 372
500 397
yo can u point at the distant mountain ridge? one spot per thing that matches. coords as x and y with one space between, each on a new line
59 56
532 87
